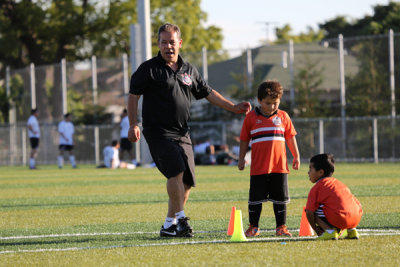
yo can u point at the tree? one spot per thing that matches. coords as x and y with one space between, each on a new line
367 92
44 32
283 35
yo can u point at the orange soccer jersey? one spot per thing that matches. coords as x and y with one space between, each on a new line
341 208
267 137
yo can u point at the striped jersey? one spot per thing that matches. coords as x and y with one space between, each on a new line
266 136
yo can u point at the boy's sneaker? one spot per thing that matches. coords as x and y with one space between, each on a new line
183 229
283 231
252 231
169 232
352 234
328 236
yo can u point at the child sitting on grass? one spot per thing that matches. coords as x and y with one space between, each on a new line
331 207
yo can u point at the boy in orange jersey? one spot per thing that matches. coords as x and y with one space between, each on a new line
331 207
268 129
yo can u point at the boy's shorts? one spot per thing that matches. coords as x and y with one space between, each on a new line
347 221
126 144
34 142
269 187
66 147
173 156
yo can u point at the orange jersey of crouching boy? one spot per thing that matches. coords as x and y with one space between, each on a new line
341 208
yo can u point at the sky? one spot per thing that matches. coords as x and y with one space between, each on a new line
244 23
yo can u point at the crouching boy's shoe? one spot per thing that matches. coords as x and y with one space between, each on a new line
352 234
328 236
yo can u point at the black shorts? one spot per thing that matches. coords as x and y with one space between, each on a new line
269 187
65 147
126 144
173 156
34 142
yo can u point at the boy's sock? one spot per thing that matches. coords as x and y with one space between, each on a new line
180 215
168 222
32 163
330 231
280 214
60 160
72 160
254 214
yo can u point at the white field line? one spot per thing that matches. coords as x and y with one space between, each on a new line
138 233
368 232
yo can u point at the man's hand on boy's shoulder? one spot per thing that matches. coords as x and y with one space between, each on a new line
243 107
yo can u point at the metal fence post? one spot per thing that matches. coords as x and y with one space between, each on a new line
125 71
342 93
291 70
375 141
64 85
33 85
249 67
321 136
205 63
94 79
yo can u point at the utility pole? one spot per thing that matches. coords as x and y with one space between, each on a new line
268 24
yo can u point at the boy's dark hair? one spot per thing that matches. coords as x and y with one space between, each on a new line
66 115
33 111
114 143
167 27
269 88
324 162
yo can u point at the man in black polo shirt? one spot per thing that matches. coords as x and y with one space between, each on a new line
167 84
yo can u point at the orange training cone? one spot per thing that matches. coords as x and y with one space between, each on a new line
305 227
231 222
238 235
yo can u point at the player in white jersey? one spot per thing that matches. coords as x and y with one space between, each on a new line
34 136
66 130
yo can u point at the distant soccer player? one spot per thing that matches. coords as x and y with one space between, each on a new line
125 144
66 130
34 137
111 157
331 207
268 129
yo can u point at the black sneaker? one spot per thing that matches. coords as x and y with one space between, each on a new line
183 229
169 232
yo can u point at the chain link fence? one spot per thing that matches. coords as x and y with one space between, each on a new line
369 80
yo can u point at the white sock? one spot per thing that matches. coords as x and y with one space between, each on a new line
72 160
168 222
180 215
60 161
32 162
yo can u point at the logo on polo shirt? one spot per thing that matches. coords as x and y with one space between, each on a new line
186 79
276 120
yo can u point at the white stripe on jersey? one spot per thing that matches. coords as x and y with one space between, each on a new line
262 129
270 138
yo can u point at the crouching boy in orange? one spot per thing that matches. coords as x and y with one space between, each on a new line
331 207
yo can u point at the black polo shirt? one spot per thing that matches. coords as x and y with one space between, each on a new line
167 96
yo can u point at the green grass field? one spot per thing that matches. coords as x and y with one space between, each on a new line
100 217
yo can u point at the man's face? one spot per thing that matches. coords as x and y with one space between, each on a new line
169 45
